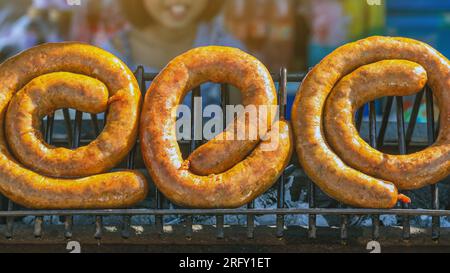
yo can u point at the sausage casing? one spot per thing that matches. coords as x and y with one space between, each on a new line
47 66
320 161
400 78
257 168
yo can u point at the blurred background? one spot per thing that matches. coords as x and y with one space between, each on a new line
292 33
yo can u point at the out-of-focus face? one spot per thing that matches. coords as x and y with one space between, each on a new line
175 13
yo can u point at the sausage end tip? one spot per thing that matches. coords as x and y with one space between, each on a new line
404 199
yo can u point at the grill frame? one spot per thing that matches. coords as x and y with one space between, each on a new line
376 139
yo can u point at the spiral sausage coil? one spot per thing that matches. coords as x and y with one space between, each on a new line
43 79
328 144
224 173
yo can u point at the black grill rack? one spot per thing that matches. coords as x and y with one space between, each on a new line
376 139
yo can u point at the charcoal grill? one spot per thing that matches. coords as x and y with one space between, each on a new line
376 139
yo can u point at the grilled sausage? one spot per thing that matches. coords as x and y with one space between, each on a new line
239 170
400 78
348 179
53 76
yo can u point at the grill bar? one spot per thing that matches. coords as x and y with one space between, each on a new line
224 100
436 221
220 223
374 144
402 148
68 123
126 226
344 229
10 221
48 135
126 220
414 115
143 78
98 227
312 217
95 124
76 142
196 133
359 118
214 212
98 219
38 226
384 122
282 100
251 222
68 225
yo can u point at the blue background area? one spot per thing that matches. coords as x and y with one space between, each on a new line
424 20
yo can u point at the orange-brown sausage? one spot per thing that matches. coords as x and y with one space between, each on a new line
400 78
41 97
334 175
59 75
239 172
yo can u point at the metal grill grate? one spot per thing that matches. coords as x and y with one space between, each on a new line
376 139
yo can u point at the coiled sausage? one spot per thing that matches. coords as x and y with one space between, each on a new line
52 76
228 173
400 78
335 157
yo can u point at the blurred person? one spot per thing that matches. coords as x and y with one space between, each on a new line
97 21
259 18
275 31
249 20
57 16
278 32
280 50
160 30
236 17
302 36
330 28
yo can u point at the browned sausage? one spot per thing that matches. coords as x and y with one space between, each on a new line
248 171
335 176
400 78
60 75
